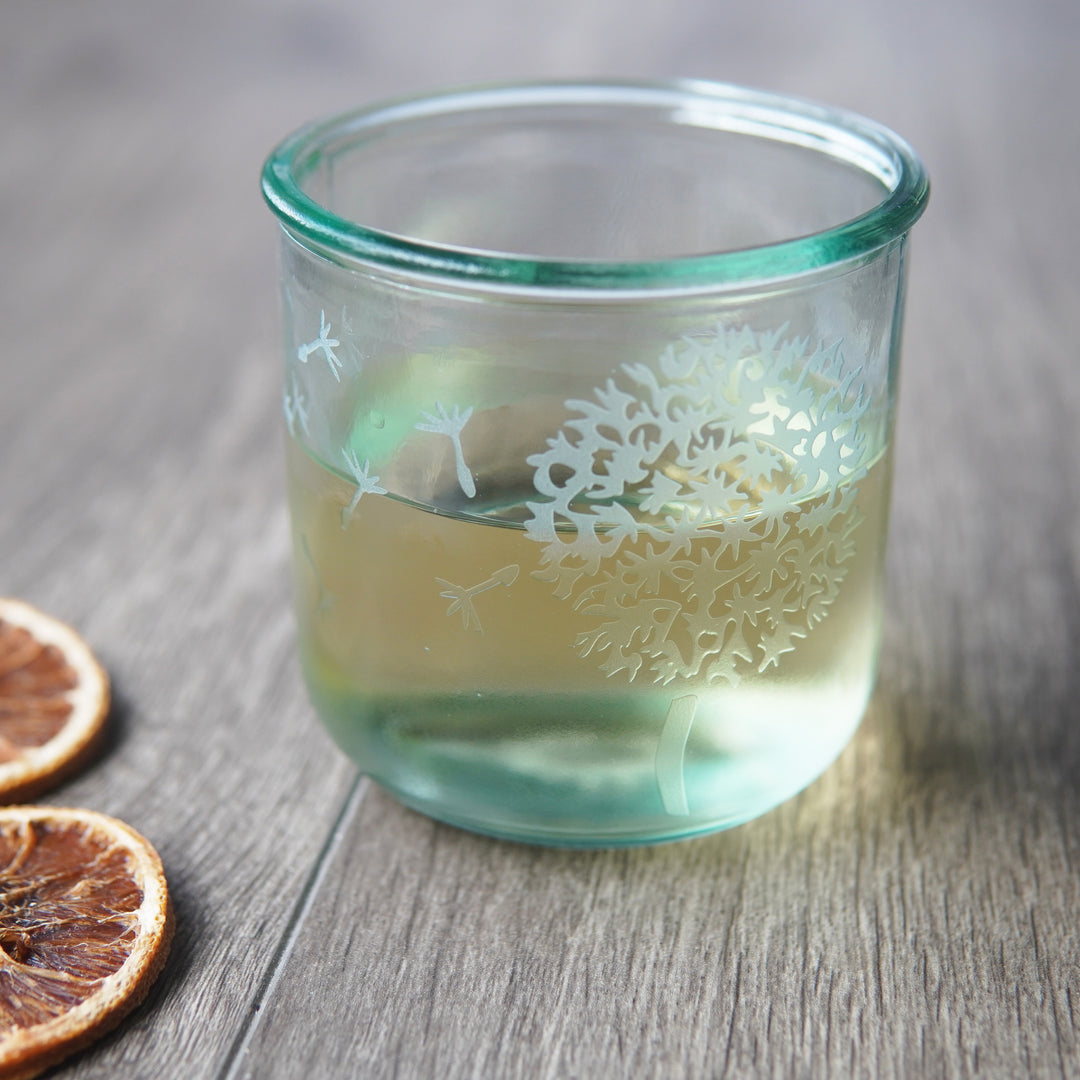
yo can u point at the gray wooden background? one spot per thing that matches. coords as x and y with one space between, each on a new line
914 913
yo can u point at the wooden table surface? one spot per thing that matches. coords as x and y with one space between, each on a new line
913 913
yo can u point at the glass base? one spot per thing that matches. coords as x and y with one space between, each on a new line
613 783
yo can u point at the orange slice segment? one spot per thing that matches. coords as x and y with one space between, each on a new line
85 926
53 700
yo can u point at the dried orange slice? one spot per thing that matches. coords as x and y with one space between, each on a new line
85 926
53 699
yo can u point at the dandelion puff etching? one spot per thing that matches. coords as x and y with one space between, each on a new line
325 344
451 424
740 451
365 485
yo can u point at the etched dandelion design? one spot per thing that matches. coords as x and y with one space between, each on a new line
365 484
741 454
451 424
325 344
294 404
461 596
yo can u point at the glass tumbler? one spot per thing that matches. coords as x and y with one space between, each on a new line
589 392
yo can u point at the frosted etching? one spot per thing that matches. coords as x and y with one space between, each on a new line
461 596
452 424
348 341
294 405
670 751
701 510
325 344
365 484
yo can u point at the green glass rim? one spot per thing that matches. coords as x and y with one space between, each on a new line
844 136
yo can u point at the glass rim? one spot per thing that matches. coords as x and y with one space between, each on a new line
844 136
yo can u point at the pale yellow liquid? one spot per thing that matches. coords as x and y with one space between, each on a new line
495 716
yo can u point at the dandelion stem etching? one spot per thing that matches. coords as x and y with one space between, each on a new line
670 753
325 344
365 484
452 424
461 596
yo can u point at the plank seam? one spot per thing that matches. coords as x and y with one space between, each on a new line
231 1065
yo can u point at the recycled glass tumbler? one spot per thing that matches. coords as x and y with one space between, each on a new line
589 391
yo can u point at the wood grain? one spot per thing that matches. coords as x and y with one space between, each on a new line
914 913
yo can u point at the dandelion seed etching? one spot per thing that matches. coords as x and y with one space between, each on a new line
348 340
365 484
452 424
461 597
325 344
294 404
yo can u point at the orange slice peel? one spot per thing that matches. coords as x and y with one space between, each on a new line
54 697
85 927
